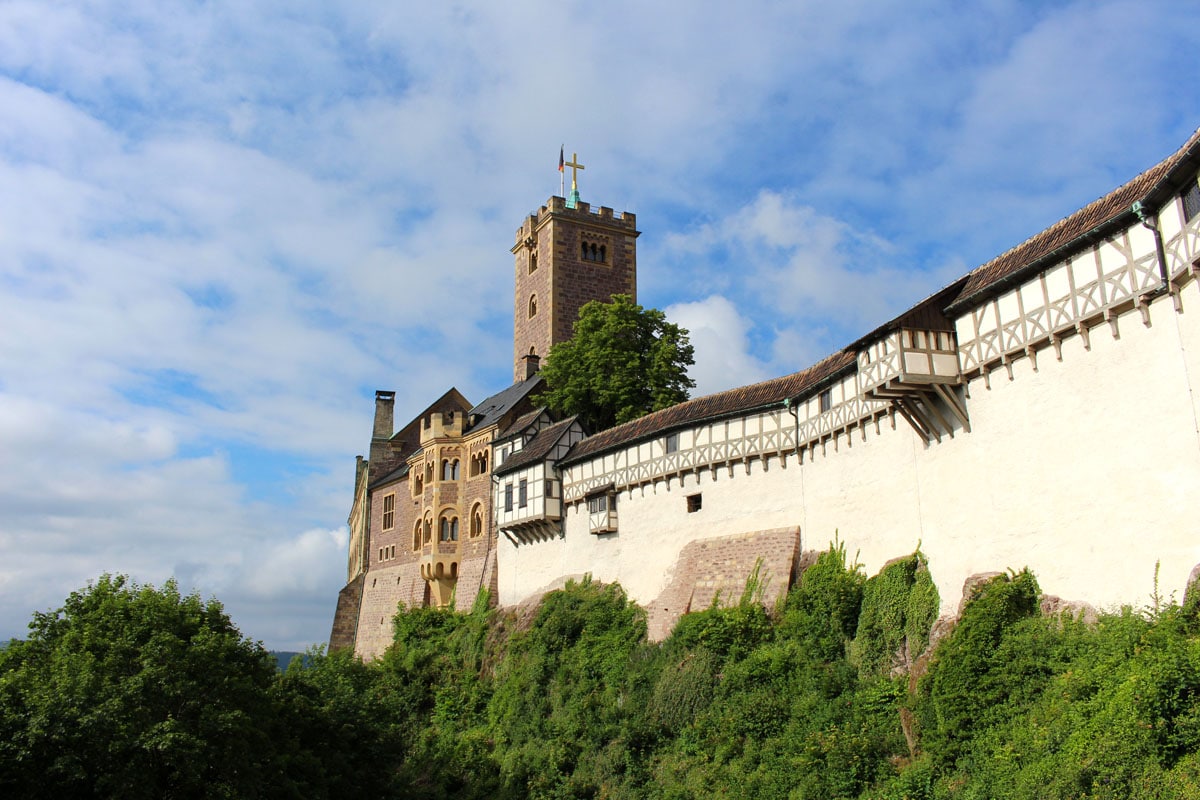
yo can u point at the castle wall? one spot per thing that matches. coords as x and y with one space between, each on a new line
1079 468
385 589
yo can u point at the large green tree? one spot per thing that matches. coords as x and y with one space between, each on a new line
132 691
623 361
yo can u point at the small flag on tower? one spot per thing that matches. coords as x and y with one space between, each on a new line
560 158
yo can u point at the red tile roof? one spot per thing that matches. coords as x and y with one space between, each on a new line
715 406
1096 219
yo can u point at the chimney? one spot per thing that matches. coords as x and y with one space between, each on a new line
532 364
384 407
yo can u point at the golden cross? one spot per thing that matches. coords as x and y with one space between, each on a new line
574 166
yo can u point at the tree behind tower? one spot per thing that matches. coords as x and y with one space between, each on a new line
623 361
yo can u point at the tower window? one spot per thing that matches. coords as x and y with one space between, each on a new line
590 251
693 503
532 262
532 306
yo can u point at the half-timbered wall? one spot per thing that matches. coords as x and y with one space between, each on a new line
1082 456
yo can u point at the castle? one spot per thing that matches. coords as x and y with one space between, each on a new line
1038 411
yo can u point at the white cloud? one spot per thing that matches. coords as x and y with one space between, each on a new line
719 335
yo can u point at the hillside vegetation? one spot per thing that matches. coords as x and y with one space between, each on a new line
823 697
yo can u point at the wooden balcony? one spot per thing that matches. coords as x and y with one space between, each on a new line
917 370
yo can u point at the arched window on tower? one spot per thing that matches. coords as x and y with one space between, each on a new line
532 306
446 469
417 536
532 262
476 520
454 470
603 257
583 251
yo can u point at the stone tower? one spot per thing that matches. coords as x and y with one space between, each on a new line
565 257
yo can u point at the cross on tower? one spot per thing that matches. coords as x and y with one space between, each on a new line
573 198
574 168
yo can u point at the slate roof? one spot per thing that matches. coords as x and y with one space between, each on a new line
521 423
391 477
493 409
1087 225
715 406
538 448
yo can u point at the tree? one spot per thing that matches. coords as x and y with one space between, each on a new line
131 691
623 362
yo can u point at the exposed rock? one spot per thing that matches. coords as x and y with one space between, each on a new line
1193 586
1056 607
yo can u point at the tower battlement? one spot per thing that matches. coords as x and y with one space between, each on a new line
582 213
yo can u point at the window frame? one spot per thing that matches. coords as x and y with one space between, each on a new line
389 511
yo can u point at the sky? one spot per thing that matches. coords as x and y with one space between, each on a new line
224 225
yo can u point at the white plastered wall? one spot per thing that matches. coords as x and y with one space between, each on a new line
1082 470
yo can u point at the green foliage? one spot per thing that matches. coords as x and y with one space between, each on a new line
131 691
560 692
969 675
821 612
899 606
622 362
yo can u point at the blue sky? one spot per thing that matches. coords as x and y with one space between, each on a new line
224 225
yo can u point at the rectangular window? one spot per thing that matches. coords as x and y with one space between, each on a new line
598 504
693 503
672 442
522 493
389 511
826 400
1191 202
508 497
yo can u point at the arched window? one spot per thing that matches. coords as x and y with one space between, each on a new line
446 469
449 529
603 257
445 528
532 306
417 536
428 529
454 470
583 251
533 262
477 520
454 529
